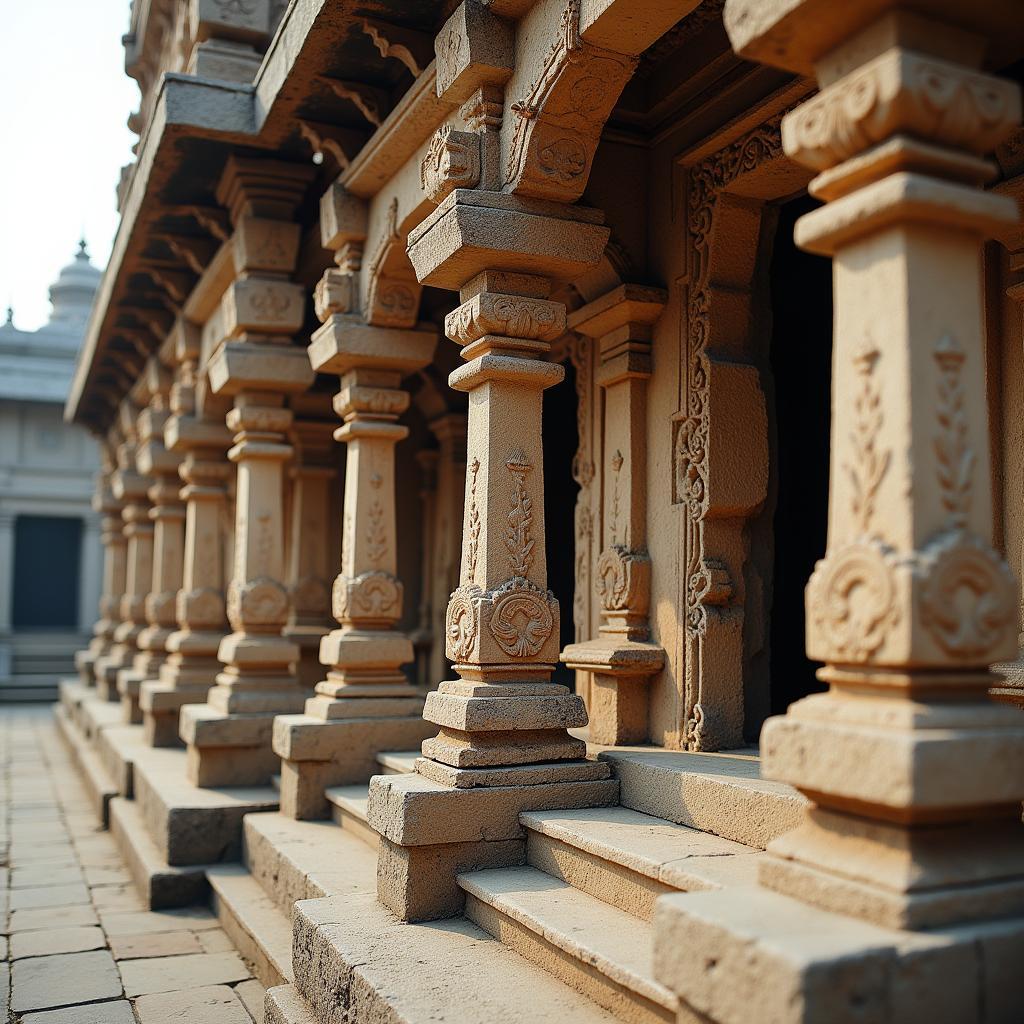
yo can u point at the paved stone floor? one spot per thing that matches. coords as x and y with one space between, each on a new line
78 945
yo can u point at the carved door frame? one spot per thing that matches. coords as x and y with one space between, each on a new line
720 433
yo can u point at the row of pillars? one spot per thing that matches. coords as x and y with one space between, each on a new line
907 610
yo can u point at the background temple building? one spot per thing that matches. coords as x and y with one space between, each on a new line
562 468
50 554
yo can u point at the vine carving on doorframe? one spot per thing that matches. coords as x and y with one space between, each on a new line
580 354
707 583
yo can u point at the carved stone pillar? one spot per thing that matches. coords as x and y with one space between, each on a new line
621 658
129 488
114 544
312 543
228 738
914 776
366 704
502 723
167 513
191 666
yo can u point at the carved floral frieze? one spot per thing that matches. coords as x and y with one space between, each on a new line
510 316
901 92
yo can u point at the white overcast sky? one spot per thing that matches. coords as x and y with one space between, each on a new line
64 101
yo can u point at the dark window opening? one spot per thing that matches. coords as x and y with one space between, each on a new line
561 439
47 553
801 362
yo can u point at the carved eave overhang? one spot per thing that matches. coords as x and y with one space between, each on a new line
169 230
690 83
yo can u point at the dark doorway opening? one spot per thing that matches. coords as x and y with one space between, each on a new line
801 363
561 441
46 570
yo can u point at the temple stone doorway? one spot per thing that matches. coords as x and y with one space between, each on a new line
561 441
800 357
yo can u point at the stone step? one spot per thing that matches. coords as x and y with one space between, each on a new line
285 1006
119 747
629 859
96 714
354 961
300 860
192 824
397 762
160 885
99 786
594 948
719 793
259 929
348 809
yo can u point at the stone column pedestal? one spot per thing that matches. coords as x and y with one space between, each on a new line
502 745
901 896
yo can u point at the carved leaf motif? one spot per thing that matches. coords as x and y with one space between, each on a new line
517 535
954 456
473 541
868 466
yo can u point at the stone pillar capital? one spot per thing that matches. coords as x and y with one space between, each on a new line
474 231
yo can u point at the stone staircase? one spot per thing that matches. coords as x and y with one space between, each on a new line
582 905
572 926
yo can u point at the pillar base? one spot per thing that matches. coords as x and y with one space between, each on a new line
161 705
228 749
896 876
85 665
431 831
308 670
107 669
317 753
129 685
622 670
724 952
1008 683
